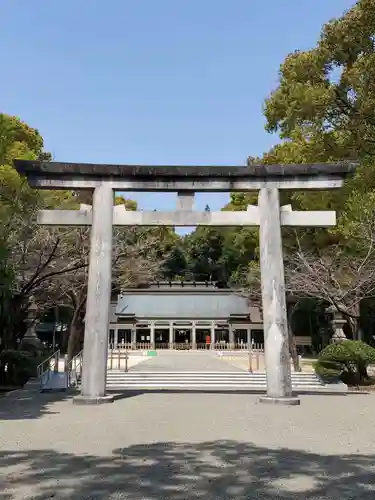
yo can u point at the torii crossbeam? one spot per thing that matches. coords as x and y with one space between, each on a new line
104 180
181 218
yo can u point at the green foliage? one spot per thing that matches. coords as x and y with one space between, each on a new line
348 351
18 140
47 265
323 108
17 204
203 252
217 254
26 249
347 360
130 205
16 367
326 92
175 265
328 371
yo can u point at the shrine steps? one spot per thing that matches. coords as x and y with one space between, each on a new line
118 380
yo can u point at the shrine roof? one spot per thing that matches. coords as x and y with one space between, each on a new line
182 303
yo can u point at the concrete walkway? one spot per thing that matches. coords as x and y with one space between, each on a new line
185 447
168 361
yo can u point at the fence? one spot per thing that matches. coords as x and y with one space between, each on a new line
218 346
46 369
74 369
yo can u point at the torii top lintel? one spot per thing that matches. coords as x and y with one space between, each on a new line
58 175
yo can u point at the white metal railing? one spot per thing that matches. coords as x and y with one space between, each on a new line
162 345
128 346
118 359
181 346
223 345
50 366
74 369
47 367
203 346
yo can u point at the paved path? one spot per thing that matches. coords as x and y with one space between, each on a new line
187 446
185 361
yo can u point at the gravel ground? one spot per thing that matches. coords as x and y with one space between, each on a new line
187 446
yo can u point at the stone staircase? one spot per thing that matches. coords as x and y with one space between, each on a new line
118 380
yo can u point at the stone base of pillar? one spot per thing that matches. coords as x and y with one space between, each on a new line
286 401
88 400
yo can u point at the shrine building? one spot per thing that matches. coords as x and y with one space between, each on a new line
183 315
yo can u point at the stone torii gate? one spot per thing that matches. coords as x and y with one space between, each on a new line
104 180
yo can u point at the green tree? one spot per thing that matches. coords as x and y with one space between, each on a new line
130 205
175 265
48 266
347 360
18 205
203 253
323 106
219 254
327 92
323 109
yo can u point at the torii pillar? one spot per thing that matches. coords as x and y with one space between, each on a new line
98 304
275 321
105 179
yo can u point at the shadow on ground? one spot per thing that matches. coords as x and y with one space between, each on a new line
139 392
29 404
32 404
181 471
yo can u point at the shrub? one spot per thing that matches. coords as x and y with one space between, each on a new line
347 360
16 367
328 371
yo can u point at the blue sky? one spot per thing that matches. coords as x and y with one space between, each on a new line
152 81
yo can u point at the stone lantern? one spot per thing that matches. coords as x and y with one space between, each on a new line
337 321
31 337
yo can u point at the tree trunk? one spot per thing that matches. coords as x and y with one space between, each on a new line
76 329
352 323
65 339
293 349
75 335
71 339
362 372
292 342
353 320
